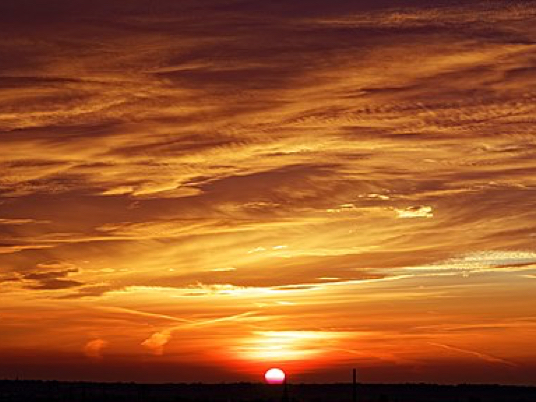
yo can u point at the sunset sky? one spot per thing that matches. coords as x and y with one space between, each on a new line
199 190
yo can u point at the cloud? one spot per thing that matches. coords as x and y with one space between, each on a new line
16 248
284 346
6 278
51 276
93 349
490 261
55 284
20 221
420 211
482 356
305 166
82 290
156 342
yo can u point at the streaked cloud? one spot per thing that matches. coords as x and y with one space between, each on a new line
483 356
500 261
415 212
308 182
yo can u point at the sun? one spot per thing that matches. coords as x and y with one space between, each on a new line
275 376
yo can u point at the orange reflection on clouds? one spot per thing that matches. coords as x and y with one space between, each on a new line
283 346
328 185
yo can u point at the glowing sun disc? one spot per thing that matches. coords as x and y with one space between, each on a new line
275 376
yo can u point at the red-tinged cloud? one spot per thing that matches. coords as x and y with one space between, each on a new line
93 349
156 342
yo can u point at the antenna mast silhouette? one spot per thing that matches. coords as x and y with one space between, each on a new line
354 385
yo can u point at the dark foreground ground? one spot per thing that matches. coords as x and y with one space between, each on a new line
30 391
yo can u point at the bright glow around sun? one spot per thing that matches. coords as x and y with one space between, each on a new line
286 346
275 376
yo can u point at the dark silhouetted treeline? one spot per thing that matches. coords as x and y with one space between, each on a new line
34 391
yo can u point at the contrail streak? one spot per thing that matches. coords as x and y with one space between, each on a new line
483 356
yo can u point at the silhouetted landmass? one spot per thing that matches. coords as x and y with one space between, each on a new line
33 391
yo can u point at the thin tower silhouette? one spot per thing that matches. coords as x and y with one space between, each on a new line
354 385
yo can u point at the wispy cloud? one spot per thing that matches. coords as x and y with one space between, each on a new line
281 168
479 355
420 211
500 261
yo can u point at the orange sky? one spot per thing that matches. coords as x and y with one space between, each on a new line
201 190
